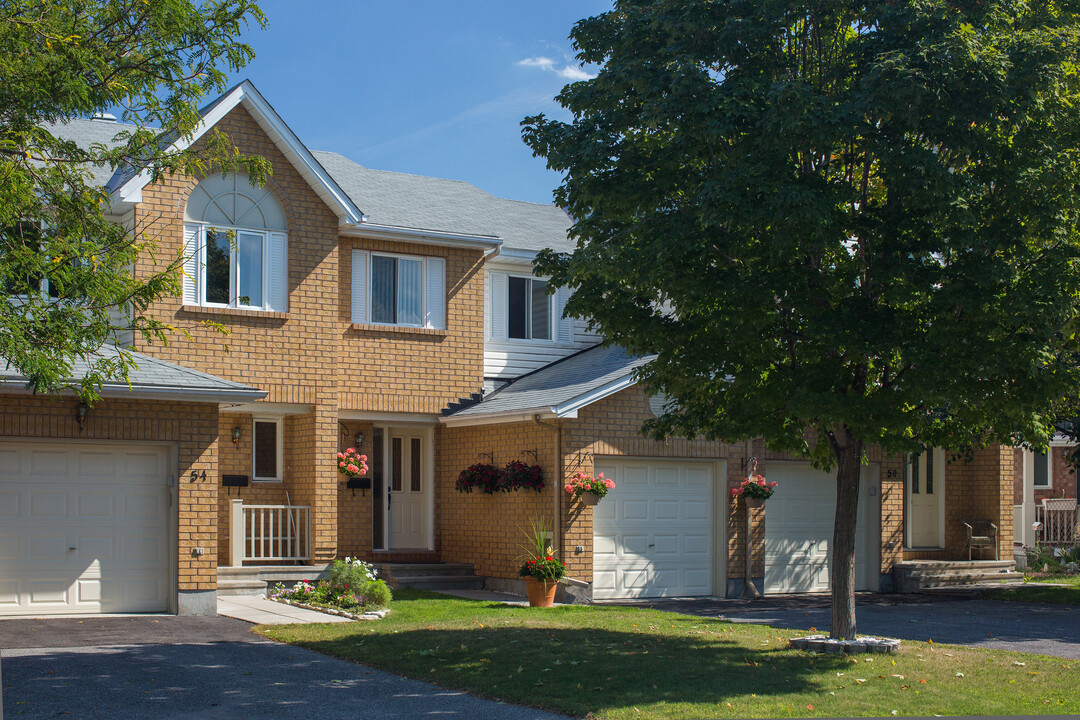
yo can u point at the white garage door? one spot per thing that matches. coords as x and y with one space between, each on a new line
653 534
799 528
83 528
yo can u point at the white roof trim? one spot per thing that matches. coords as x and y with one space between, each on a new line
154 392
567 410
610 388
419 236
268 408
286 141
382 418
510 416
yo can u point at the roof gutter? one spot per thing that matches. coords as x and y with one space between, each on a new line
166 393
419 236
506 416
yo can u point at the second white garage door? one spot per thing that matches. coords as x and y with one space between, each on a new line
83 528
653 535
799 529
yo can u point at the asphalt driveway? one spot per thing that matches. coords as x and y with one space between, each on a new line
958 619
179 667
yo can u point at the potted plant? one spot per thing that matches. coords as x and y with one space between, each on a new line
516 475
540 567
484 476
587 488
351 464
755 490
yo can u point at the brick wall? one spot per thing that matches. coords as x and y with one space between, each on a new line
486 530
355 506
414 370
192 427
608 428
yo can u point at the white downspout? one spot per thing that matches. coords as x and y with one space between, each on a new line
1028 515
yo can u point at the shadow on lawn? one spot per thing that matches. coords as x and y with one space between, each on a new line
581 670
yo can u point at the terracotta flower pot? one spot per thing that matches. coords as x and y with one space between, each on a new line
753 502
589 498
541 592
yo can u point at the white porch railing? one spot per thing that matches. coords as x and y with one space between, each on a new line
264 533
1057 518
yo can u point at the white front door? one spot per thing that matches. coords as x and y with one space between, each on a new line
83 528
654 535
407 489
925 499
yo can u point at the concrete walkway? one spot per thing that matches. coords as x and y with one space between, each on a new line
258 610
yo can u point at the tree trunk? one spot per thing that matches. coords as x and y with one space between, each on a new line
848 452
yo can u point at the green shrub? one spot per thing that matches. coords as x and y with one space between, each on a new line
375 595
350 574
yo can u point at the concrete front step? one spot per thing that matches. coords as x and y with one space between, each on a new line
430 576
257 580
916 575
437 582
422 569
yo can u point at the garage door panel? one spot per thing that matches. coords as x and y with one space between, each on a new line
799 527
48 505
655 537
91 540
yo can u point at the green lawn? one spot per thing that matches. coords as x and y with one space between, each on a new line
636 663
1062 589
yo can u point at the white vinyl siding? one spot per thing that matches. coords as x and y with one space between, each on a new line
509 357
398 290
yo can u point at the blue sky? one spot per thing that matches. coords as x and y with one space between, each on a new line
429 87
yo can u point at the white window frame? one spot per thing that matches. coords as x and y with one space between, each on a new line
371 287
204 241
553 326
1049 470
279 425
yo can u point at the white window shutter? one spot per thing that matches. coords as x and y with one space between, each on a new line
360 286
564 333
277 291
499 299
192 266
435 294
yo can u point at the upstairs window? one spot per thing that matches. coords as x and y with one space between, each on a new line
405 290
528 309
21 244
236 247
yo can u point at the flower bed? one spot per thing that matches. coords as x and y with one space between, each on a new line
366 615
352 590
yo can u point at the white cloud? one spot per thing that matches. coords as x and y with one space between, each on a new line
566 72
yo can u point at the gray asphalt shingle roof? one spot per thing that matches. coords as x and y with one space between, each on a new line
394 199
427 203
559 383
156 377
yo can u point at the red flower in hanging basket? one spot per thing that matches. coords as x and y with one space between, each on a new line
755 487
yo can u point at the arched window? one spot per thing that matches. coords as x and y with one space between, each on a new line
236 246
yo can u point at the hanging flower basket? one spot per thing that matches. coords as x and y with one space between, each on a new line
351 464
482 476
754 488
517 475
581 485
589 498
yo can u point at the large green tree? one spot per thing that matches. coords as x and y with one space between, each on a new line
67 279
839 224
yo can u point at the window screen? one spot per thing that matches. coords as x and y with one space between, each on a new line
517 308
383 289
1042 470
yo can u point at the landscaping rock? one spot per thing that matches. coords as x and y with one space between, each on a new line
365 615
824 644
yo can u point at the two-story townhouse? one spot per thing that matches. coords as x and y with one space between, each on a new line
398 314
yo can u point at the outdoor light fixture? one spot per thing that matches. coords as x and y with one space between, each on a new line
236 433
81 413
359 439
